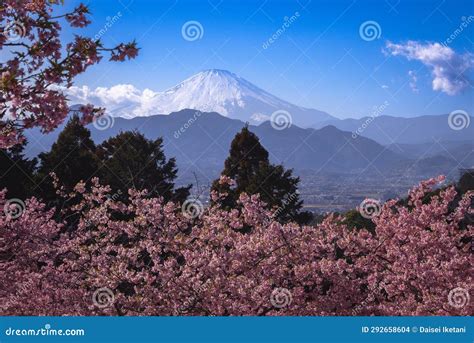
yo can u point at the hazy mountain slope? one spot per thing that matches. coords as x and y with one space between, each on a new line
387 130
327 149
201 141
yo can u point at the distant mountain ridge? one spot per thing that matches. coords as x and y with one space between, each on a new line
202 140
232 96
387 130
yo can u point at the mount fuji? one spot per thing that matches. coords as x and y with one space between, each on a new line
211 90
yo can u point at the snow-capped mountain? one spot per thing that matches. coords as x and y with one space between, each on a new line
232 96
211 90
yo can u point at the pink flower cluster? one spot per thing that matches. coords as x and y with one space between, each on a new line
151 259
40 66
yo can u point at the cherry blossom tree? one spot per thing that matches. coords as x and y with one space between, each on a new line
148 257
38 65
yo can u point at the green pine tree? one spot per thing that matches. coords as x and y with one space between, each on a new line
248 165
16 172
72 158
133 161
466 181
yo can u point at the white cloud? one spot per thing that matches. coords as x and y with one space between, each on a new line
449 69
384 87
120 100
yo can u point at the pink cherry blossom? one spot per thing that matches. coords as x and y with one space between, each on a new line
41 65
153 260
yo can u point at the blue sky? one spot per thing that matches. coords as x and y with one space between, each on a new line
320 61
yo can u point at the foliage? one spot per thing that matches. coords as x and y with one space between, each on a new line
72 158
41 66
128 160
154 260
248 165
133 161
466 181
353 219
16 172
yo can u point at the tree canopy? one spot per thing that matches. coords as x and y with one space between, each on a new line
249 167
16 172
41 66
133 161
72 158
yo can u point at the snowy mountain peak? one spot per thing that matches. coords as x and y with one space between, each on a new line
212 90
216 90
218 72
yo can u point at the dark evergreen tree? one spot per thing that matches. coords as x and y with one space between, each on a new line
466 181
16 172
466 184
72 158
133 161
248 165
